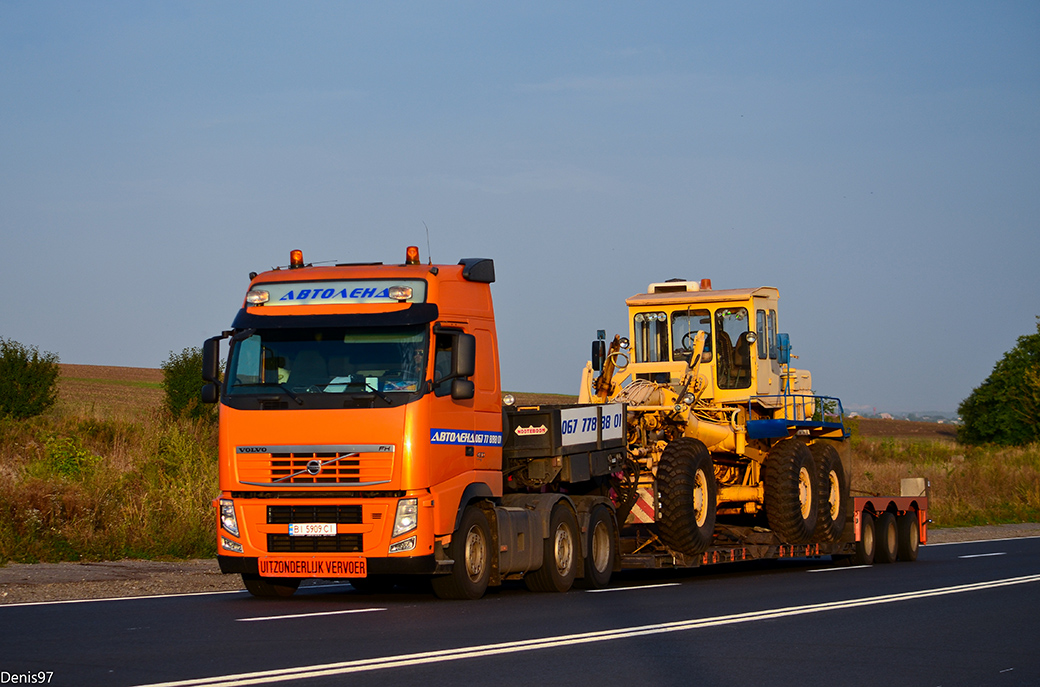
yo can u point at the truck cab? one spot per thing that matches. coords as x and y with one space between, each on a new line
359 408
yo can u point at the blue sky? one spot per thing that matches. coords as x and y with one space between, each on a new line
879 163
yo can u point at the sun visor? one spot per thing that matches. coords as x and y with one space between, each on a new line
417 313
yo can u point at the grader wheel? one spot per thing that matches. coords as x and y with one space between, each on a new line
833 492
686 481
792 492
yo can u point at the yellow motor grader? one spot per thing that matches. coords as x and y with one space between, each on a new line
720 428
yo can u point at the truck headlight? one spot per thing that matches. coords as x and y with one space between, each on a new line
407 516
227 516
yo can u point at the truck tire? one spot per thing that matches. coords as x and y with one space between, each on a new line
909 536
867 543
830 521
600 548
471 550
561 554
887 538
791 492
686 483
270 586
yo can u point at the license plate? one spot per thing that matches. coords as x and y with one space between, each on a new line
354 566
312 529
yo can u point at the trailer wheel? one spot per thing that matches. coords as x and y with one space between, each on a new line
561 554
471 549
887 538
792 493
830 521
909 536
270 586
600 549
867 541
686 482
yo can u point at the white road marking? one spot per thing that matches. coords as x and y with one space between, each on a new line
984 555
846 567
307 615
120 598
629 589
461 653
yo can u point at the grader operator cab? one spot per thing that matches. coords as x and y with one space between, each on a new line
720 428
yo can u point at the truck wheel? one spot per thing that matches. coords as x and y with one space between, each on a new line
600 549
270 586
909 536
471 549
867 541
560 557
830 521
887 538
686 482
792 493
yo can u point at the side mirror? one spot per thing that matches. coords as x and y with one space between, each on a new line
599 354
465 358
210 393
211 360
461 389
783 345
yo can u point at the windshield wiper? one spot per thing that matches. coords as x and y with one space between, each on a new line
284 388
379 393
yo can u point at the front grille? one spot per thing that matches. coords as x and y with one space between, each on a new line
283 515
361 465
341 543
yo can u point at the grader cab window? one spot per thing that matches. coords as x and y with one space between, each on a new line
685 325
734 349
651 337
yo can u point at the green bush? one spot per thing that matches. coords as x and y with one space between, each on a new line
28 379
182 384
1005 409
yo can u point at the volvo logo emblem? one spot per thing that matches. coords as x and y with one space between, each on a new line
313 467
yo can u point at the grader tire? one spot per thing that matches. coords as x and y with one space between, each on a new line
792 492
686 482
833 498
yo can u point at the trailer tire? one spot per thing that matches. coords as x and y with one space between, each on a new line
830 521
791 492
270 587
686 482
600 549
887 538
909 536
867 543
561 554
471 549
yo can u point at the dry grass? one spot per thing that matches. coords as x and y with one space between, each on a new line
105 474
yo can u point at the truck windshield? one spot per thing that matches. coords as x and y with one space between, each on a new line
329 361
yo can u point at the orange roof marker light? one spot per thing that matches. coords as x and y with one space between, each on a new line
411 256
295 259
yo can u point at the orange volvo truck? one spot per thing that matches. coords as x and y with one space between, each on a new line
364 436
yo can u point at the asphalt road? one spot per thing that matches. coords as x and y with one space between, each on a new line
963 614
